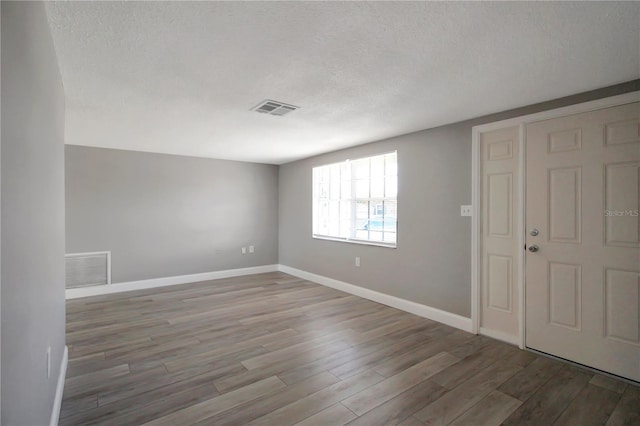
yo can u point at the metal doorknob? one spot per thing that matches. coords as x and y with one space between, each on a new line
533 248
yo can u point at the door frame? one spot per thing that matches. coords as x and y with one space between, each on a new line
476 218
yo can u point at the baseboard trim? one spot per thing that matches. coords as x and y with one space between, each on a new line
499 335
57 402
448 318
74 293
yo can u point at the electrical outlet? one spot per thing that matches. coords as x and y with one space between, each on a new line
48 362
465 210
244 250
358 261
251 249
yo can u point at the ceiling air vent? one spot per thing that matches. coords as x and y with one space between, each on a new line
274 107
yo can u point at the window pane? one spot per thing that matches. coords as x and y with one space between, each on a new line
377 187
345 210
389 237
377 166
390 224
391 208
345 228
323 192
362 188
323 218
334 217
375 235
335 183
391 164
346 189
362 214
391 186
325 174
345 219
362 234
376 208
360 168
345 170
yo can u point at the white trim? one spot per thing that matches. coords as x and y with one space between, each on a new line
354 241
499 335
475 230
522 173
57 402
475 195
74 293
88 253
448 318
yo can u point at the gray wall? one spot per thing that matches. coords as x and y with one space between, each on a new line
432 262
165 215
33 305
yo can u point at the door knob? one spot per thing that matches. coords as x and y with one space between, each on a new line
533 232
533 248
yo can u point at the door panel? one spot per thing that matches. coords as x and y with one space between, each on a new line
564 204
622 191
499 278
622 306
565 285
499 243
499 202
566 140
582 286
625 131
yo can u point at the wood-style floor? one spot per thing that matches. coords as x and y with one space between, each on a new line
271 349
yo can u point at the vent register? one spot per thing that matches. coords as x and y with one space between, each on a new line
274 108
87 269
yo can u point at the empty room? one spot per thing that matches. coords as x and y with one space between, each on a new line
320 213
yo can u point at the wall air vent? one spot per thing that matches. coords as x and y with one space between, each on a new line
88 269
274 107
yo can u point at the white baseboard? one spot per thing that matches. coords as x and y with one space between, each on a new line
448 318
499 335
74 293
57 402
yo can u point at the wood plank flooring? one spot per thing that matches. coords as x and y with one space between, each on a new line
272 349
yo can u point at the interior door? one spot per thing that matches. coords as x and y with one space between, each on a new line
583 282
499 234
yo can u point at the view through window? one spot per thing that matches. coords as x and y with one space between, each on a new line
356 200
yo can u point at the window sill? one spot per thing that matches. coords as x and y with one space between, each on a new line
360 242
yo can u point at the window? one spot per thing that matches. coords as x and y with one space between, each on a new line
356 200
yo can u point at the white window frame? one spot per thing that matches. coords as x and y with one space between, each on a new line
353 201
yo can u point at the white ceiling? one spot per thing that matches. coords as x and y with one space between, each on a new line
180 78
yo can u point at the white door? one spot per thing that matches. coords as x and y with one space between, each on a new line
499 231
583 283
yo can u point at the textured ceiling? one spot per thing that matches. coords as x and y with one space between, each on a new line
180 77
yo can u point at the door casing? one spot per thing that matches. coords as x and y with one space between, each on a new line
476 218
